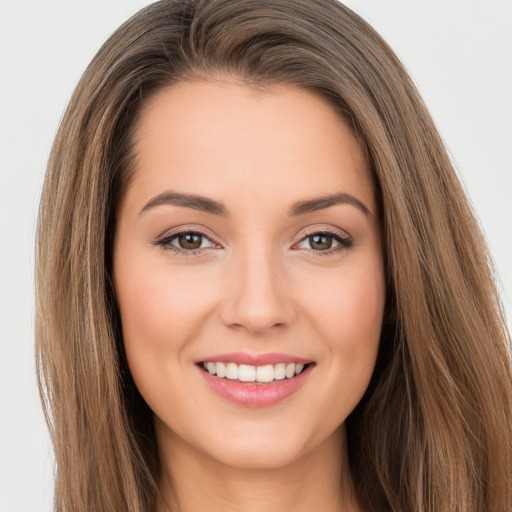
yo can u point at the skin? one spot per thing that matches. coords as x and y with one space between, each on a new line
260 285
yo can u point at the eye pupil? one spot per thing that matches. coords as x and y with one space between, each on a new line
190 241
320 242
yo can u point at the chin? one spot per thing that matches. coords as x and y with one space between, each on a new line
255 455
268 448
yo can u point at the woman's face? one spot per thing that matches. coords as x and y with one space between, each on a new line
248 239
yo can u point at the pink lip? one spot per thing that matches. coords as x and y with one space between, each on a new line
249 394
255 359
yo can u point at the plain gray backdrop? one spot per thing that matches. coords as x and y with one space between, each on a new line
459 53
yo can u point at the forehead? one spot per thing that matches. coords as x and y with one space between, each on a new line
230 140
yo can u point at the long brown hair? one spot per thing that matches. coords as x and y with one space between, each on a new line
434 430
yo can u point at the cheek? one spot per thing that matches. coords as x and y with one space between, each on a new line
160 313
157 301
348 314
359 312
357 328
348 308
166 309
157 321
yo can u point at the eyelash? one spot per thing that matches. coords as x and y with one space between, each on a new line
344 241
165 242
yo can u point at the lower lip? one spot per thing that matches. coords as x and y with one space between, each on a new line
250 394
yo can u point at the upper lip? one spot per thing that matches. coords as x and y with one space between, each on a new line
255 359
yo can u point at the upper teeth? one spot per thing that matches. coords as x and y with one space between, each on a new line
249 373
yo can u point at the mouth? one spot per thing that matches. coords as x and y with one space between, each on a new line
251 374
255 385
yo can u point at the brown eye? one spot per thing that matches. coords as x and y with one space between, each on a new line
324 242
186 242
320 242
190 240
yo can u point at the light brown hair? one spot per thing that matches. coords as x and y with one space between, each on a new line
433 432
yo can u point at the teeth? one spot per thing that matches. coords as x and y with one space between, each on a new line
246 373
265 373
249 373
220 369
231 371
280 371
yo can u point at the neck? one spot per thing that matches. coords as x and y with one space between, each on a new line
320 480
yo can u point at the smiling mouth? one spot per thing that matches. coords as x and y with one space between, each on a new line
245 373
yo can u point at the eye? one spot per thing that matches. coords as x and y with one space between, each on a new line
186 242
324 242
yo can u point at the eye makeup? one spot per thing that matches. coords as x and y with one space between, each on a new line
192 242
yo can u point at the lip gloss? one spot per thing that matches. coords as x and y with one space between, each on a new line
252 394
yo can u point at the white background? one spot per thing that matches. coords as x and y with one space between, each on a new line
459 53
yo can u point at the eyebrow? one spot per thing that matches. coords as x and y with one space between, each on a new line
320 203
208 205
188 201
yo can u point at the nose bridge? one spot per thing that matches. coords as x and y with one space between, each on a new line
257 296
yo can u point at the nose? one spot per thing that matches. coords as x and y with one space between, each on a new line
257 295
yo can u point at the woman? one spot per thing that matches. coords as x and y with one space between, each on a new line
258 276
